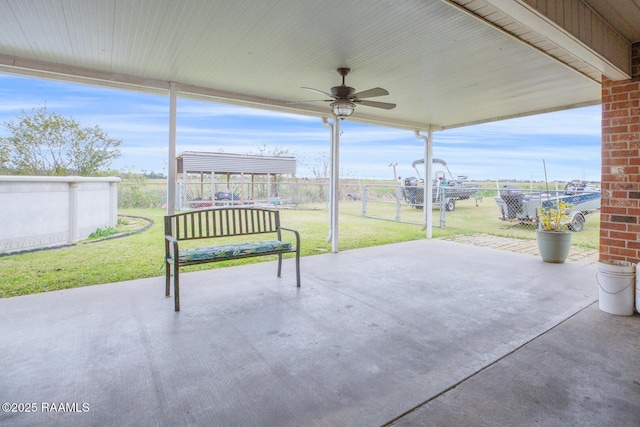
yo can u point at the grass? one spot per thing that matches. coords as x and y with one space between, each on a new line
141 255
462 221
483 218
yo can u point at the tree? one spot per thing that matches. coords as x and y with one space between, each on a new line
320 169
277 151
46 143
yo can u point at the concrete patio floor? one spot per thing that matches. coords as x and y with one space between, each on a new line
424 333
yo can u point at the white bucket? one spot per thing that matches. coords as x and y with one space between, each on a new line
637 294
616 286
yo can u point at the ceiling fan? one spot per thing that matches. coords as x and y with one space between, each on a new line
344 98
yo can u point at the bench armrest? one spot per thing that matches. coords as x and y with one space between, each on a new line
294 232
170 247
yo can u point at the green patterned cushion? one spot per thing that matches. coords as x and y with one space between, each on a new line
230 251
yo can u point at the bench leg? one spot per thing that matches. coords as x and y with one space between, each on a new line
167 269
298 267
176 285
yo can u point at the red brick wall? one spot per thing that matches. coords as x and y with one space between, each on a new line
620 219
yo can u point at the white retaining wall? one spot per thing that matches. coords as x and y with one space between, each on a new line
43 211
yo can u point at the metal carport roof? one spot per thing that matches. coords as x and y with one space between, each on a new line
202 161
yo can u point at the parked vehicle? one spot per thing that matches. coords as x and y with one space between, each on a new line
225 198
451 189
226 195
518 206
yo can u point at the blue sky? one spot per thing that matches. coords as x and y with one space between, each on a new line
569 141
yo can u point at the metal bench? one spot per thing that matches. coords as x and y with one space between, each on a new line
231 222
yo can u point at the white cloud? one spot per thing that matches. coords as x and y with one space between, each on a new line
568 140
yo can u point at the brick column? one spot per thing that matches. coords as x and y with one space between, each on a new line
620 213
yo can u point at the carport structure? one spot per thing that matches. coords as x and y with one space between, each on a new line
445 63
227 164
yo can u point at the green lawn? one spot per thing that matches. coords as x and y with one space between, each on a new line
470 218
141 255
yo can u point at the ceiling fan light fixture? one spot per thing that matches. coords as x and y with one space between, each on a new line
344 98
342 108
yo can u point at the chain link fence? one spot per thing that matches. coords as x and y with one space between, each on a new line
507 210
200 192
483 208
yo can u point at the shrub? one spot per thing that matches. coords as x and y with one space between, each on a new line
134 193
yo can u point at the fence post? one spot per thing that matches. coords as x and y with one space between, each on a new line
179 196
365 195
73 211
113 204
398 198
443 198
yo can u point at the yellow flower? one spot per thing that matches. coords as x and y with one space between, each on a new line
553 216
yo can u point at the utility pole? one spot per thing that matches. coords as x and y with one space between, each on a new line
395 176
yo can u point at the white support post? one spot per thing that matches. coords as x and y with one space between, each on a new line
268 189
428 186
171 179
428 170
331 127
335 183
213 188
242 197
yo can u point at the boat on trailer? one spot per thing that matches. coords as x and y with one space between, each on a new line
517 206
448 190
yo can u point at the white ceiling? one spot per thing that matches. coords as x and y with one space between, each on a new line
443 66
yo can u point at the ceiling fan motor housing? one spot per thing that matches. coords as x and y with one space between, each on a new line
345 97
342 92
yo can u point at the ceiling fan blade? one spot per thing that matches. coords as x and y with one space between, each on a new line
370 93
319 91
384 105
309 101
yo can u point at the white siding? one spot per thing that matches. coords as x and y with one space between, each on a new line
235 163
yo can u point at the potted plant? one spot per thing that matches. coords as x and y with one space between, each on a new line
554 238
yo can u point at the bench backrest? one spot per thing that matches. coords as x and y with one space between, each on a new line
221 222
